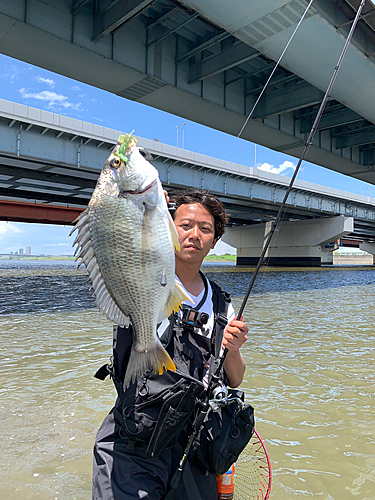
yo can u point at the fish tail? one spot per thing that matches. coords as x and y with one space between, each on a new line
140 362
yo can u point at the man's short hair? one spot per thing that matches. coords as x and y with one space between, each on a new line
209 201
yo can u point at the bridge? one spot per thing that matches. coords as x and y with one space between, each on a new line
208 62
49 165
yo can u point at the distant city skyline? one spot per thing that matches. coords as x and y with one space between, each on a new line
20 251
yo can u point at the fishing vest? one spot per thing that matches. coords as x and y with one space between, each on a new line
157 408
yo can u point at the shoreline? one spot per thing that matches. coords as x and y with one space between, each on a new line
356 260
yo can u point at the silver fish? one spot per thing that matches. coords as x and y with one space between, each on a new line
126 239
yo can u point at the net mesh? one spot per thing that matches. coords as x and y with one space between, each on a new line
253 472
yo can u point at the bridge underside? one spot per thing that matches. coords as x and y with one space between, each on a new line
50 160
37 213
208 62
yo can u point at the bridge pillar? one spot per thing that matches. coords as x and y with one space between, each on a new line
327 253
369 248
297 243
326 258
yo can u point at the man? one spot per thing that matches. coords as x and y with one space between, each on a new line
125 467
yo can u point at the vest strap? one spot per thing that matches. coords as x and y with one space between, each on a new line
103 372
220 323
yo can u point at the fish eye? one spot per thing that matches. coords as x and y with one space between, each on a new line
115 162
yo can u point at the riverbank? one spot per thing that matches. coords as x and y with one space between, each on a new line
354 260
37 257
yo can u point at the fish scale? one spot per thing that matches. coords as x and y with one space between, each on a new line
126 239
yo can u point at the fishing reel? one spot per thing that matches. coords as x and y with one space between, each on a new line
219 397
219 393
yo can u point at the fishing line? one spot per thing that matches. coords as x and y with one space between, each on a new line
213 182
276 223
275 67
266 85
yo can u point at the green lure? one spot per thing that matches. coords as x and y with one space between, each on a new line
124 140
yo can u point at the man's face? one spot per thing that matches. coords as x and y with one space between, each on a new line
196 230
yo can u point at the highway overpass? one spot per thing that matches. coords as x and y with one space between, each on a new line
49 165
208 61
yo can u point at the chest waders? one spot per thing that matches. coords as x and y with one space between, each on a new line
158 410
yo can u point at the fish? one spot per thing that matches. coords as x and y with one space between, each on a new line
126 238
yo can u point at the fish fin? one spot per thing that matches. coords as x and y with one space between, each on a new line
103 299
177 296
174 234
140 362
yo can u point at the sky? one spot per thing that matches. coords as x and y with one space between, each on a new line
33 86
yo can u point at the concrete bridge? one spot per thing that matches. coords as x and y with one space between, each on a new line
207 61
49 165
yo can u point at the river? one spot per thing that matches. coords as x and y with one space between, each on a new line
310 377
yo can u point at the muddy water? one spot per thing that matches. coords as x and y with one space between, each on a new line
310 376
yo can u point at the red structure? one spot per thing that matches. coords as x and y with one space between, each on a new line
17 211
346 242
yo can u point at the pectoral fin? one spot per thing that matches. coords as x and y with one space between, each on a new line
174 234
175 300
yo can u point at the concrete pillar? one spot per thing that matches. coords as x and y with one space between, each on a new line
327 253
369 248
297 243
326 258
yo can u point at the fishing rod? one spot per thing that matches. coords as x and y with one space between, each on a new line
276 223
214 383
205 405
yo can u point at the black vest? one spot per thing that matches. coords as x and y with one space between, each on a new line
190 351
157 408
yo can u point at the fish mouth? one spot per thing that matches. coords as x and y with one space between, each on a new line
141 189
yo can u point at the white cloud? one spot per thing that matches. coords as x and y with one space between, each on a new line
13 73
8 227
280 170
75 88
47 81
57 245
53 99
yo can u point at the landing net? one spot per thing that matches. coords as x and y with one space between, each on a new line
253 471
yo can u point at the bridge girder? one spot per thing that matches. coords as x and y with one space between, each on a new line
50 164
211 58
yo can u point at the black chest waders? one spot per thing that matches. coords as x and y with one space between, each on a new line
161 410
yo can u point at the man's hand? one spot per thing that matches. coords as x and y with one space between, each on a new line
166 196
235 334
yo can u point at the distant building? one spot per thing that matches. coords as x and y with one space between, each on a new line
28 250
21 251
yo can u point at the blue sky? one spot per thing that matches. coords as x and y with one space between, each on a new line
26 84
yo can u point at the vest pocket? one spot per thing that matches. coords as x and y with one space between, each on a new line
172 419
157 417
